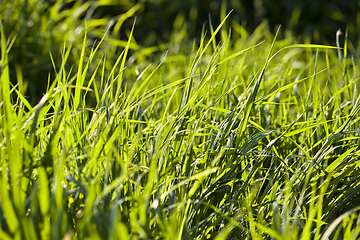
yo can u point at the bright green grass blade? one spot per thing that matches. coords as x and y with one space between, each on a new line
251 100
123 61
7 109
80 75
307 46
190 83
334 224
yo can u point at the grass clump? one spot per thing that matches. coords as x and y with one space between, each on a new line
237 137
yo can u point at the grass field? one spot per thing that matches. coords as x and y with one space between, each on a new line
228 136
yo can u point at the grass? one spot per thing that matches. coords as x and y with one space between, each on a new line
233 136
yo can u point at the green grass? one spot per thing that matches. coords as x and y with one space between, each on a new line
235 136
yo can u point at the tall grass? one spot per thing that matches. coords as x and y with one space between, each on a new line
236 137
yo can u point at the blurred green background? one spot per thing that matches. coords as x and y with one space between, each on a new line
319 19
36 28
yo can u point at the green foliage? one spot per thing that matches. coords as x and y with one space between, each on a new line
40 27
236 136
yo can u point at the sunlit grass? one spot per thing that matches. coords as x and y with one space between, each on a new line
235 136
